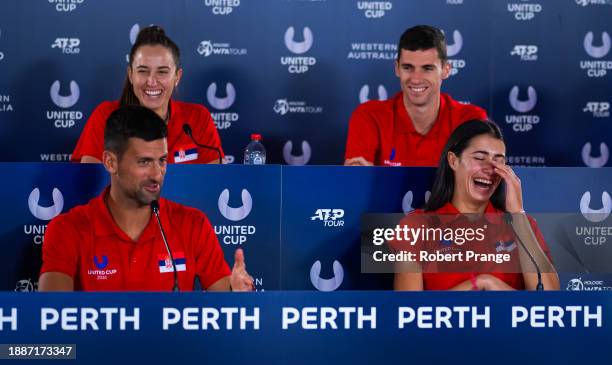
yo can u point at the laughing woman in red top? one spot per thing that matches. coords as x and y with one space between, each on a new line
473 178
153 73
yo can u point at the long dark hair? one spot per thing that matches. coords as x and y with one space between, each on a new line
153 35
444 183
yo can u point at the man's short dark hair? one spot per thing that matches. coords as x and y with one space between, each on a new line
422 38
132 122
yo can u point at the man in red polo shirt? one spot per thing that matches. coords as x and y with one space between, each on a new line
411 128
114 242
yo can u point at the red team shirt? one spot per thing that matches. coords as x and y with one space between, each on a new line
499 238
87 245
180 147
382 132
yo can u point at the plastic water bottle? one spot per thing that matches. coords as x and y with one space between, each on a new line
255 152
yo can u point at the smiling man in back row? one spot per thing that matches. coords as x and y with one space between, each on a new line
411 128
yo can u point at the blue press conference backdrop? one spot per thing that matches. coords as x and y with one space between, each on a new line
321 328
300 226
295 70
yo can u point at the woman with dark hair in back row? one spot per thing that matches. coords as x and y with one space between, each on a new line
473 178
153 73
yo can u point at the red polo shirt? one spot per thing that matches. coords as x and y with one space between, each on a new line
87 245
180 147
382 132
497 233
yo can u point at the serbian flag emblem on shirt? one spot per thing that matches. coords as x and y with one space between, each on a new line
185 153
165 264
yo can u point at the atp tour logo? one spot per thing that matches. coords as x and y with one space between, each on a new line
43 213
222 7
524 11
67 6
407 201
374 9
598 67
523 122
223 120
283 107
593 215
208 48
525 52
598 109
64 118
330 284
235 234
1 53
299 159
452 49
364 93
372 51
329 217
590 161
300 64
5 103
26 285
68 46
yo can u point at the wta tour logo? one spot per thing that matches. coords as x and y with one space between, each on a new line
223 119
585 3
364 93
590 161
597 67
284 106
522 122
208 48
330 284
235 234
300 159
299 64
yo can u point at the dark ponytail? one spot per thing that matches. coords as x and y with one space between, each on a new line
153 35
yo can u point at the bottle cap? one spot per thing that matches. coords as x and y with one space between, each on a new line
255 137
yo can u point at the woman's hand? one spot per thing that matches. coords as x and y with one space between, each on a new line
490 282
514 192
